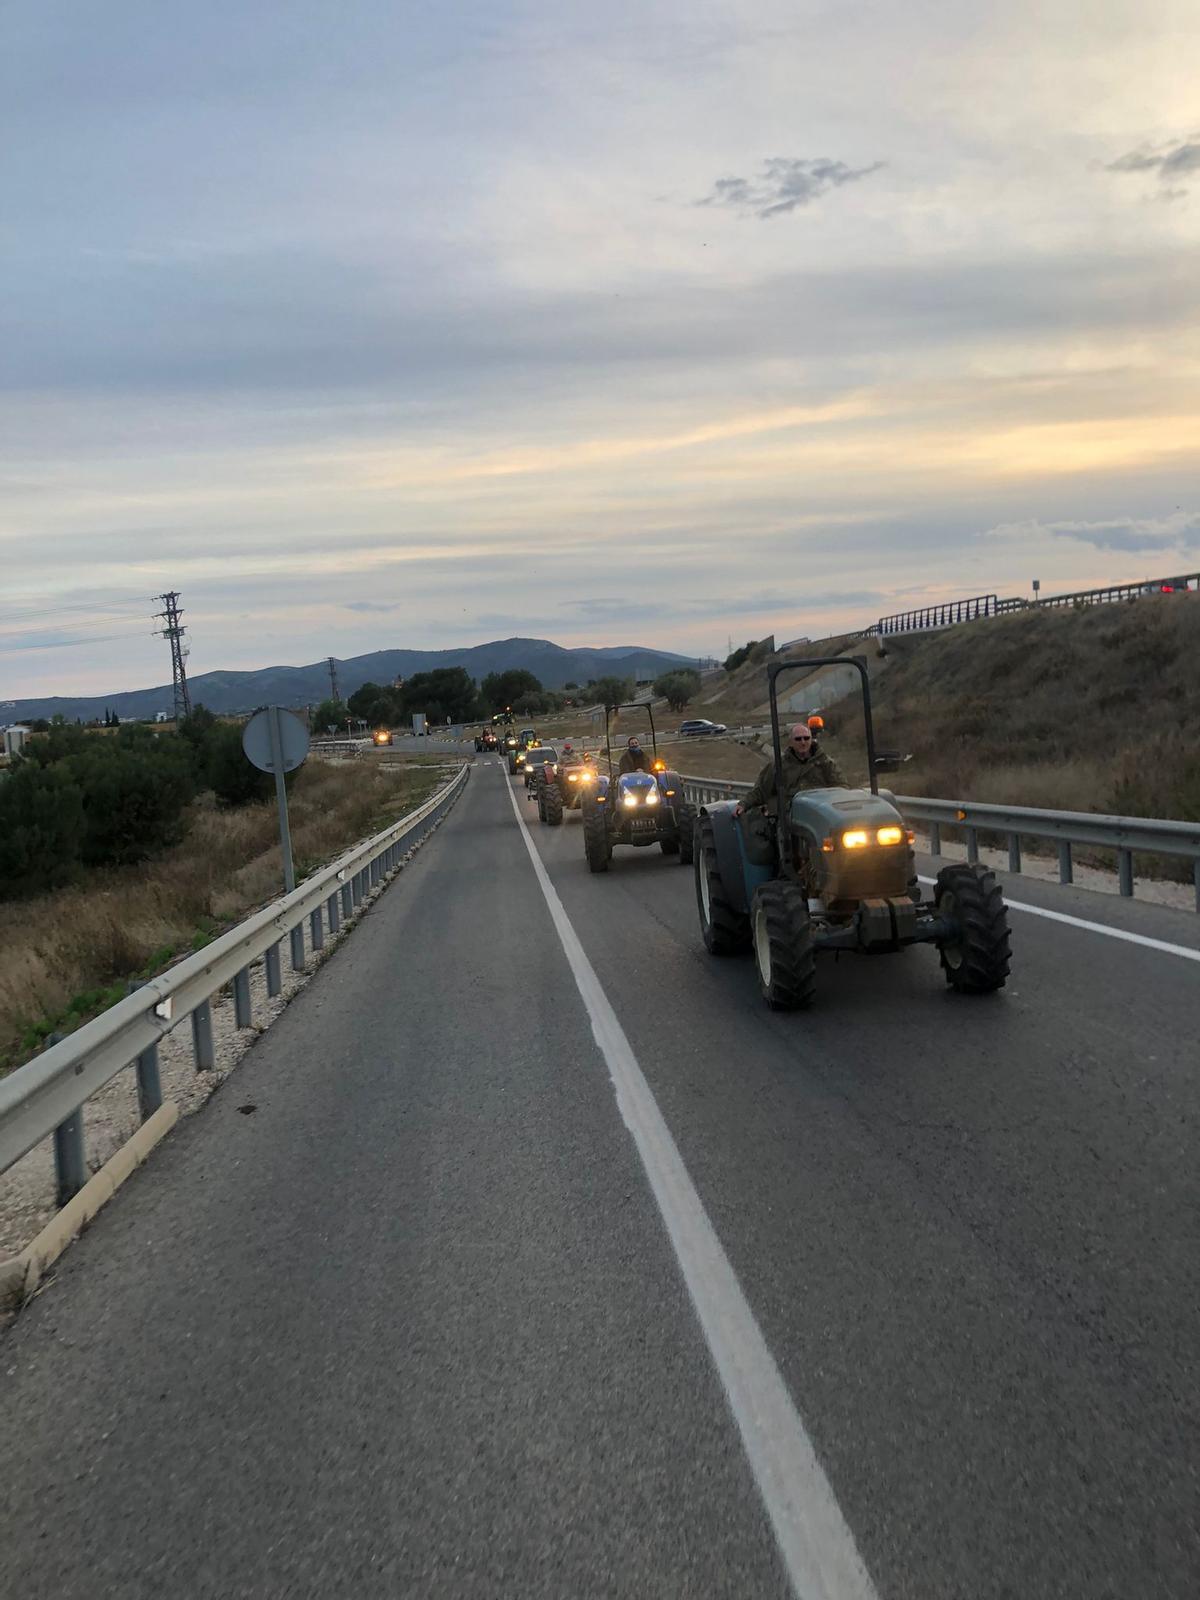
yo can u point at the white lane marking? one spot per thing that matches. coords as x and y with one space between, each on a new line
815 1542
1096 927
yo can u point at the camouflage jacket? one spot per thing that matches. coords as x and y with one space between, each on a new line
818 771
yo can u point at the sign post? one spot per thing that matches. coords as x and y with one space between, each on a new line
277 741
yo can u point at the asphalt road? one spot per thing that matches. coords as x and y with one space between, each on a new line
414 1324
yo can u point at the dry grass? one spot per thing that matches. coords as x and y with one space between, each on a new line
75 946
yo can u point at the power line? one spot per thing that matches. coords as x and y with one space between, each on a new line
174 632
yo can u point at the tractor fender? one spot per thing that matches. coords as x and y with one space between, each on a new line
601 789
671 787
738 878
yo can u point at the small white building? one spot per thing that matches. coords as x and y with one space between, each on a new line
14 738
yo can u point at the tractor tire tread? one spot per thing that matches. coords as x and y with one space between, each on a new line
793 984
728 931
983 918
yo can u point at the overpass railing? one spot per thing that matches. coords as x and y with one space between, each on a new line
47 1095
1127 836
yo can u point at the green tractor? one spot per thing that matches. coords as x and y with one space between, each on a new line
834 871
635 808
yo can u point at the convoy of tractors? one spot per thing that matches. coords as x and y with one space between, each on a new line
832 869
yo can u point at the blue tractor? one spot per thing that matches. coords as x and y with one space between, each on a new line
635 808
834 871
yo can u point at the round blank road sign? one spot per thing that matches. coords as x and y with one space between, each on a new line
293 739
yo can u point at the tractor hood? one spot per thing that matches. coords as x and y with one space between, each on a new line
829 811
639 783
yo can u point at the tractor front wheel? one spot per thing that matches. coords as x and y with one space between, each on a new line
784 951
669 847
596 843
725 931
975 958
552 805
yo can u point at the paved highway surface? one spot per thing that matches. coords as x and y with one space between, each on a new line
414 1325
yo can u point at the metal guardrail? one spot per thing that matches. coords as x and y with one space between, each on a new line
925 618
939 616
1119 591
1125 835
47 1095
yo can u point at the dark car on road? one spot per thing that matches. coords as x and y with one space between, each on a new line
698 726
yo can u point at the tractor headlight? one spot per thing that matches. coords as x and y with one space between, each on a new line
629 800
572 777
652 797
890 836
855 839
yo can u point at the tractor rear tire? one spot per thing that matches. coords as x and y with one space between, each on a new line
669 847
552 805
784 951
725 932
687 835
596 843
977 961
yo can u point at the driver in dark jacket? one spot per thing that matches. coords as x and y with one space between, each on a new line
805 766
634 758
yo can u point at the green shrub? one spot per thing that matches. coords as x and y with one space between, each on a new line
133 800
41 829
232 777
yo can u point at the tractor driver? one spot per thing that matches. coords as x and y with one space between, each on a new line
633 757
805 766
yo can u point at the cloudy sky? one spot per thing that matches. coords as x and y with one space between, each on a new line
370 323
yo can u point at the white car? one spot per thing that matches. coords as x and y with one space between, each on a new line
699 726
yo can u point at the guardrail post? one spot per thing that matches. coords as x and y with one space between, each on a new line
1196 880
243 1011
296 936
1125 872
935 838
70 1162
316 929
972 845
334 906
356 888
347 900
1014 852
202 1037
274 975
149 1079
1066 870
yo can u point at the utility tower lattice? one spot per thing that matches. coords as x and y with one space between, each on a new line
174 631
333 687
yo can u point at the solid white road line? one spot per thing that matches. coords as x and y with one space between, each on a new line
1096 927
815 1542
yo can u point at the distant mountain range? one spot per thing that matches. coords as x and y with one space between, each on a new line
228 692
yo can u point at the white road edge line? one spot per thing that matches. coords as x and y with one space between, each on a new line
1096 927
816 1544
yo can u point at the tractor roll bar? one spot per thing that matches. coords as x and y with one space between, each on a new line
773 671
628 705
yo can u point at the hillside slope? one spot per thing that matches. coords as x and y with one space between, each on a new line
1091 710
1095 710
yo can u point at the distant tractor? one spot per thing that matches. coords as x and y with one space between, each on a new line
833 871
635 808
562 786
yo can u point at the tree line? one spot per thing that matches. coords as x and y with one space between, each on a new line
450 694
